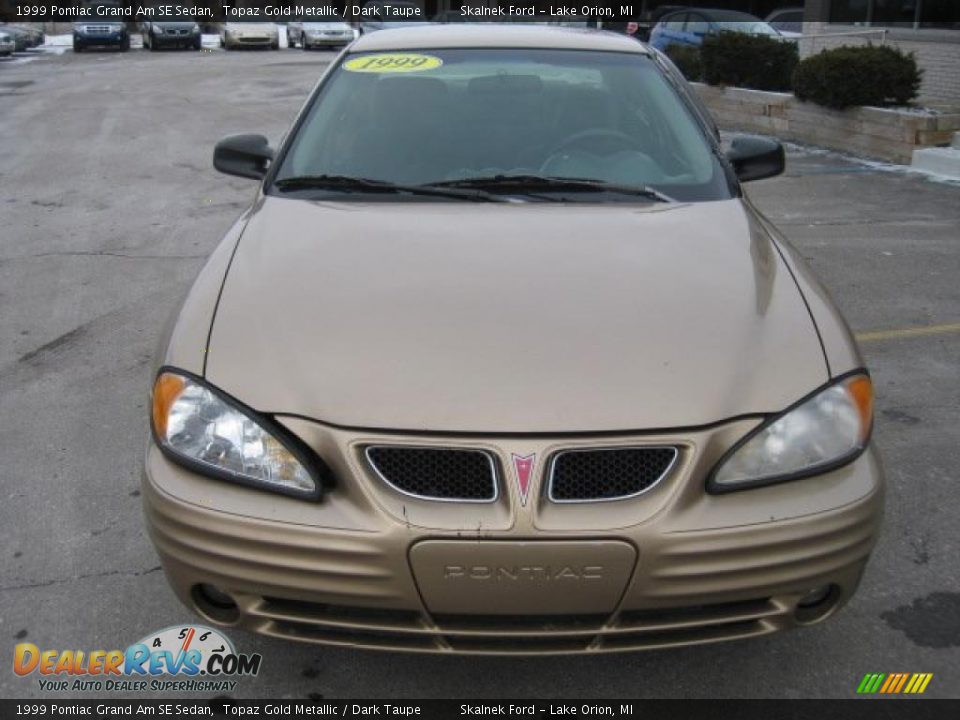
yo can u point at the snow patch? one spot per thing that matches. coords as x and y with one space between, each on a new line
878 165
53 41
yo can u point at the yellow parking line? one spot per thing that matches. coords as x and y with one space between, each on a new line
875 335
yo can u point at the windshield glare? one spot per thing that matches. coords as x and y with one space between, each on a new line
610 117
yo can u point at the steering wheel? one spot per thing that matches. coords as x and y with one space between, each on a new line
611 140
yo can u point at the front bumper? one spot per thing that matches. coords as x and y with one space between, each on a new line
111 40
367 568
251 40
326 40
186 40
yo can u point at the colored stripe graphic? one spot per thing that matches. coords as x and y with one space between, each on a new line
894 683
870 683
920 683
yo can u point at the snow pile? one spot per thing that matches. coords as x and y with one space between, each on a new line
58 41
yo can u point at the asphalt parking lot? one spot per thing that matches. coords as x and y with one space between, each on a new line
109 207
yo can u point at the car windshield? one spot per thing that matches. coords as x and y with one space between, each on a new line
490 116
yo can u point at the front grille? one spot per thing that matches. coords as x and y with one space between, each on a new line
450 474
410 630
598 474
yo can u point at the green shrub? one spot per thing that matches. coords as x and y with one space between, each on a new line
867 75
751 61
687 60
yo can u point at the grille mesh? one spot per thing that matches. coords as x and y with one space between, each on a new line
437 473
607 474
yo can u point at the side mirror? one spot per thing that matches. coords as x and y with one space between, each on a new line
243 155
756 158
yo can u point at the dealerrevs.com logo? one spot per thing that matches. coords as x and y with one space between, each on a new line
180 658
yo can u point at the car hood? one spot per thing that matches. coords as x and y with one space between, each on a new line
511 318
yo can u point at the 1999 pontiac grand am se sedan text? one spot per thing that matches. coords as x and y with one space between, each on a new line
501 360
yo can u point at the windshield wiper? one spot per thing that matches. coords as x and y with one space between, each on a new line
529 184
346 183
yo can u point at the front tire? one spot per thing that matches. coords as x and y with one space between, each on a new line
77 48
125 45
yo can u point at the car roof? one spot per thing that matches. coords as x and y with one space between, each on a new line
717 14
520 35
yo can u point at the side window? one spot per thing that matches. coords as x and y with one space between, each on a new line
697 24
676 22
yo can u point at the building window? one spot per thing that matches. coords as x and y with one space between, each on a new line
939 13
849 11
896 13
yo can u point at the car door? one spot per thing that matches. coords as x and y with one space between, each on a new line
696 29
669 31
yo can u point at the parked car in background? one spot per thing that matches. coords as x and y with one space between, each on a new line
36 37
787 21
157 35
7 45
100 33
689 27
249 34
21 39
326 34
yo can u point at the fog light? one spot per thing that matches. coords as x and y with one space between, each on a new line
817 604
814 597
215 604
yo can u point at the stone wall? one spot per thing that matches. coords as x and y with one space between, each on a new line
879 133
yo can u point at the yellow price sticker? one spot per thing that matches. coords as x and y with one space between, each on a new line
393 63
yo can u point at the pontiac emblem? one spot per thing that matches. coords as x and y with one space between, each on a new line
523 466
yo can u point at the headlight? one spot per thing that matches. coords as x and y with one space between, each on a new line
208 432
821 432
195 30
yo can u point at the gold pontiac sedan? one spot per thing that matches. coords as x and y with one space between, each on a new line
502 360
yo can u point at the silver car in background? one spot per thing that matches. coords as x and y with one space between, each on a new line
249 34
7 46
326 34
